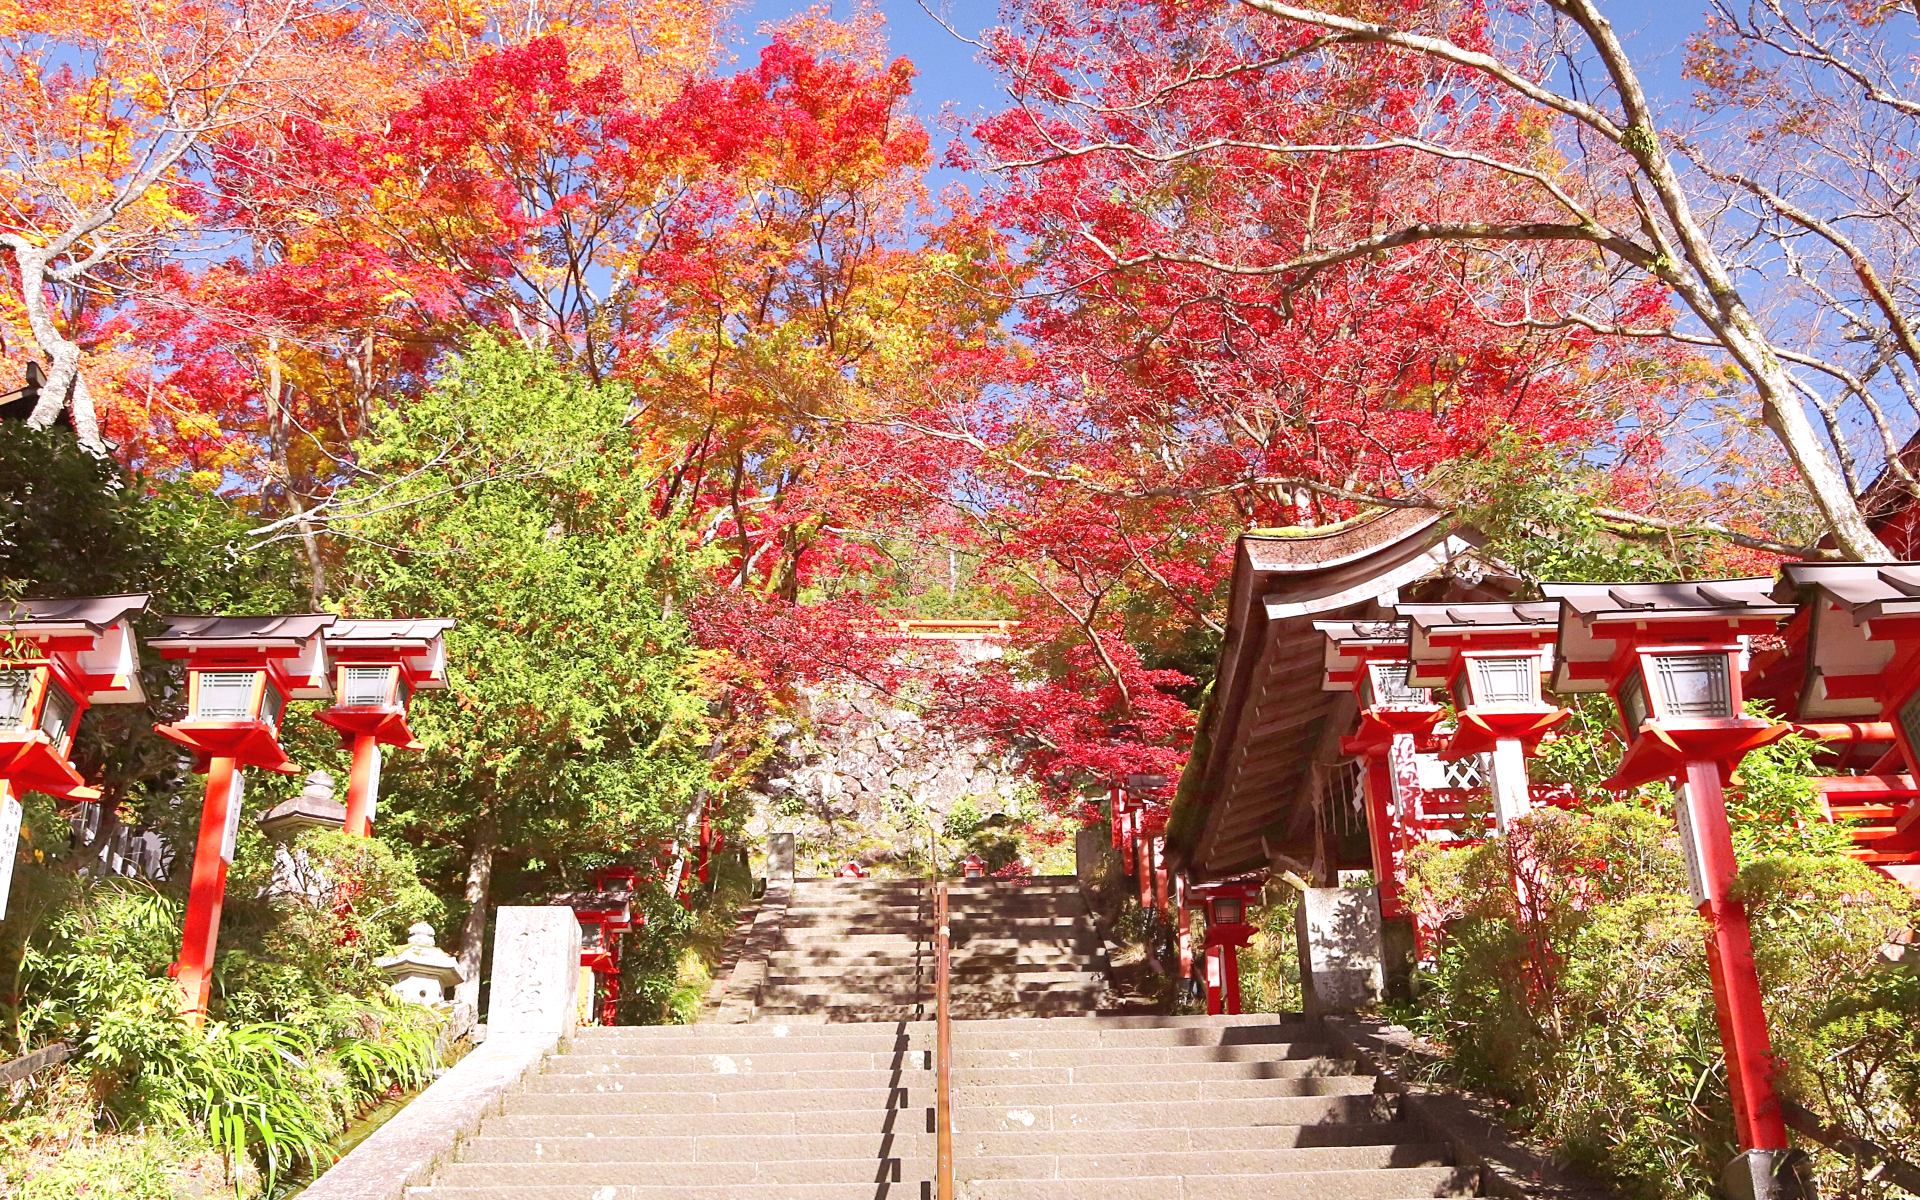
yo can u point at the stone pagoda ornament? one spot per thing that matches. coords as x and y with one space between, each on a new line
420 972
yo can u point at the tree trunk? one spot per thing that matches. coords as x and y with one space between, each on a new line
473 935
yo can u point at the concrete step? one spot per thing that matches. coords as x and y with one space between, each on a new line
1022 1095
1134 1113
1206 1139
967 1036
871 1144
805 1123
1022 972
744 1061
784 1097
868 1169
1193 1164
1150 1074
910 1188
746 1079
661 1034
1410 1183
1087 1056
800 1039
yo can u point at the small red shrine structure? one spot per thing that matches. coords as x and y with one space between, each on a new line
57 658
973 867
1224 904
241 671
604 913
1672 657
378 667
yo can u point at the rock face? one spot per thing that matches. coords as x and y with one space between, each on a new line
863 778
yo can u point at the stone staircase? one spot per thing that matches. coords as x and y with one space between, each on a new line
862 950
1077 1108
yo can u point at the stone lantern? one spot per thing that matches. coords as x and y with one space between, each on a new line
420 972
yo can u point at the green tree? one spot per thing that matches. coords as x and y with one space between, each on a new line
513 498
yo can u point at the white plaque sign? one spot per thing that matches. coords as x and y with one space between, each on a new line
235 792
10 814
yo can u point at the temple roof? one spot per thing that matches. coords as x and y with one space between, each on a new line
284 630
1244 797
95 612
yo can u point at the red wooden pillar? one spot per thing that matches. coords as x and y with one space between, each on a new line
212 856
1736 982
1216 980
363 785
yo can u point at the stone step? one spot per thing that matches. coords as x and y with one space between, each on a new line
885 970
974 1037
872 1121
1086 1056
1150 1073
742 1079
1136 1114
870 1039
871 1144
782 1097
740 1061
910 1188
655 1034
869 1169
1253 1126
1190 1164
1145 1021
1409 1183
1023 1095
764 1062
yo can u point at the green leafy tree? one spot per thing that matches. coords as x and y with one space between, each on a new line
514 498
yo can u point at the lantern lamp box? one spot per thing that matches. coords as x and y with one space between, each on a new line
241 672
57 659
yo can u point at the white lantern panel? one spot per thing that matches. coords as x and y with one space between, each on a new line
1389 687
56 715
225 696
1504 682
365 687
15 683
1693 685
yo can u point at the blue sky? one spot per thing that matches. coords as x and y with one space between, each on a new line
950 76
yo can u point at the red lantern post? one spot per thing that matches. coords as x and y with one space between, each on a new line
1490 657
1396 723
241 671
57 658
604 915
378 666
1225 903
1672 656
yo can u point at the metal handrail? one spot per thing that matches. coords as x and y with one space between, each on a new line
943 1045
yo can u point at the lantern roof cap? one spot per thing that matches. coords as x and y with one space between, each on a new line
1427 619
1244 882
1866 590
421 957
1595 617
288 630
1637 601
1365 633
610 903
94 612
406 632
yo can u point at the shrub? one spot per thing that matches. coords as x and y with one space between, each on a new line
1589 1006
